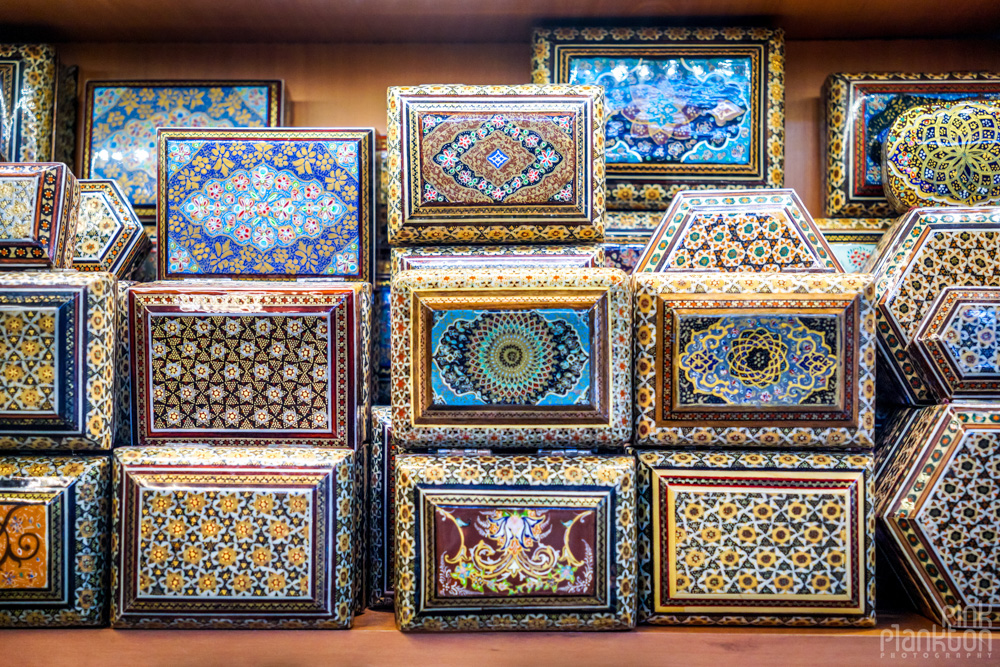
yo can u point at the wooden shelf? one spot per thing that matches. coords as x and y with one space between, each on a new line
375 640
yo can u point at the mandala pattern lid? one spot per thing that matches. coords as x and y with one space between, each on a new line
109 236
39 207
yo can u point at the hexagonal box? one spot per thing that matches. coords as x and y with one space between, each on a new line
39 206
109 236
720 230
937 509
927 250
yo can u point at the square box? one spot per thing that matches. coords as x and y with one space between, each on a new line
54 530
39 209
266 203
241 538
28 83
109 236
381 510
515 542
251 364
519 358
498 256
495 164
688 108
121 119
57 352
860 109
755 360
756 538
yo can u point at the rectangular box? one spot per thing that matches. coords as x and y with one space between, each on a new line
381 510
57 352
251 364
266 203
515 543
28 83
121 119
495 164
466 257
40 206
767 360
860 108
733 537
54 533
688 108
519 358
241 538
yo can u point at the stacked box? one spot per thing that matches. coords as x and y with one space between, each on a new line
381 510
39 207
109 236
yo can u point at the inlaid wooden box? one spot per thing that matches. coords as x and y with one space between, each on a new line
109 236
39 208
381 510
498 256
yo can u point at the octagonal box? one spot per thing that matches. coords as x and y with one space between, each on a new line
938 516
250 363
927 250
109 236
514 358
266 202
381 510
54 532
755 230
533 542
734 537
243 538
853 240
926 159
466 257
57 356
754 360
39 206
495 164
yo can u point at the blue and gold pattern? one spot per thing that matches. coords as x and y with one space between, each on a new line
266 203
28 82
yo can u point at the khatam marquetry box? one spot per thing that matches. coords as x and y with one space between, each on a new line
266 203
382 339
109 236
54 521
733 537
937 511
518 358
927 250
125 429
860 109
251 364
497 256
853 240
495 164
538 542
57 356
39 207
754 360
381 509
626 234
943 155
749 231
121 119
243 538
687 108
28 83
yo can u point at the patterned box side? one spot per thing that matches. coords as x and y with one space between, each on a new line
39 207
381 510
126 433
28 91
741 595
54 518
109 236
559 589
478 257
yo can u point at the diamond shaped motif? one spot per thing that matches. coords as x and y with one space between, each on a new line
498 158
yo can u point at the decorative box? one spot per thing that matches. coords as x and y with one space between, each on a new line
109 236
495 164
28 82
125 426
251 364
241 538
733 537
937 511
381 510
943 155
515 542
39 207
382 345
860 109
688 108
266 203
626 234
54 534
956 346
64 132
852 250
519 358
927 250
496 256
57 355
754 360
748 231
121 119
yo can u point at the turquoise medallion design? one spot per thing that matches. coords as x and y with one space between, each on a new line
523 357
758 361
971 340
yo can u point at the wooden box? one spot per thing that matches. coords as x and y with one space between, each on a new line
28 88
465 257
39 207
381 510
109 236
